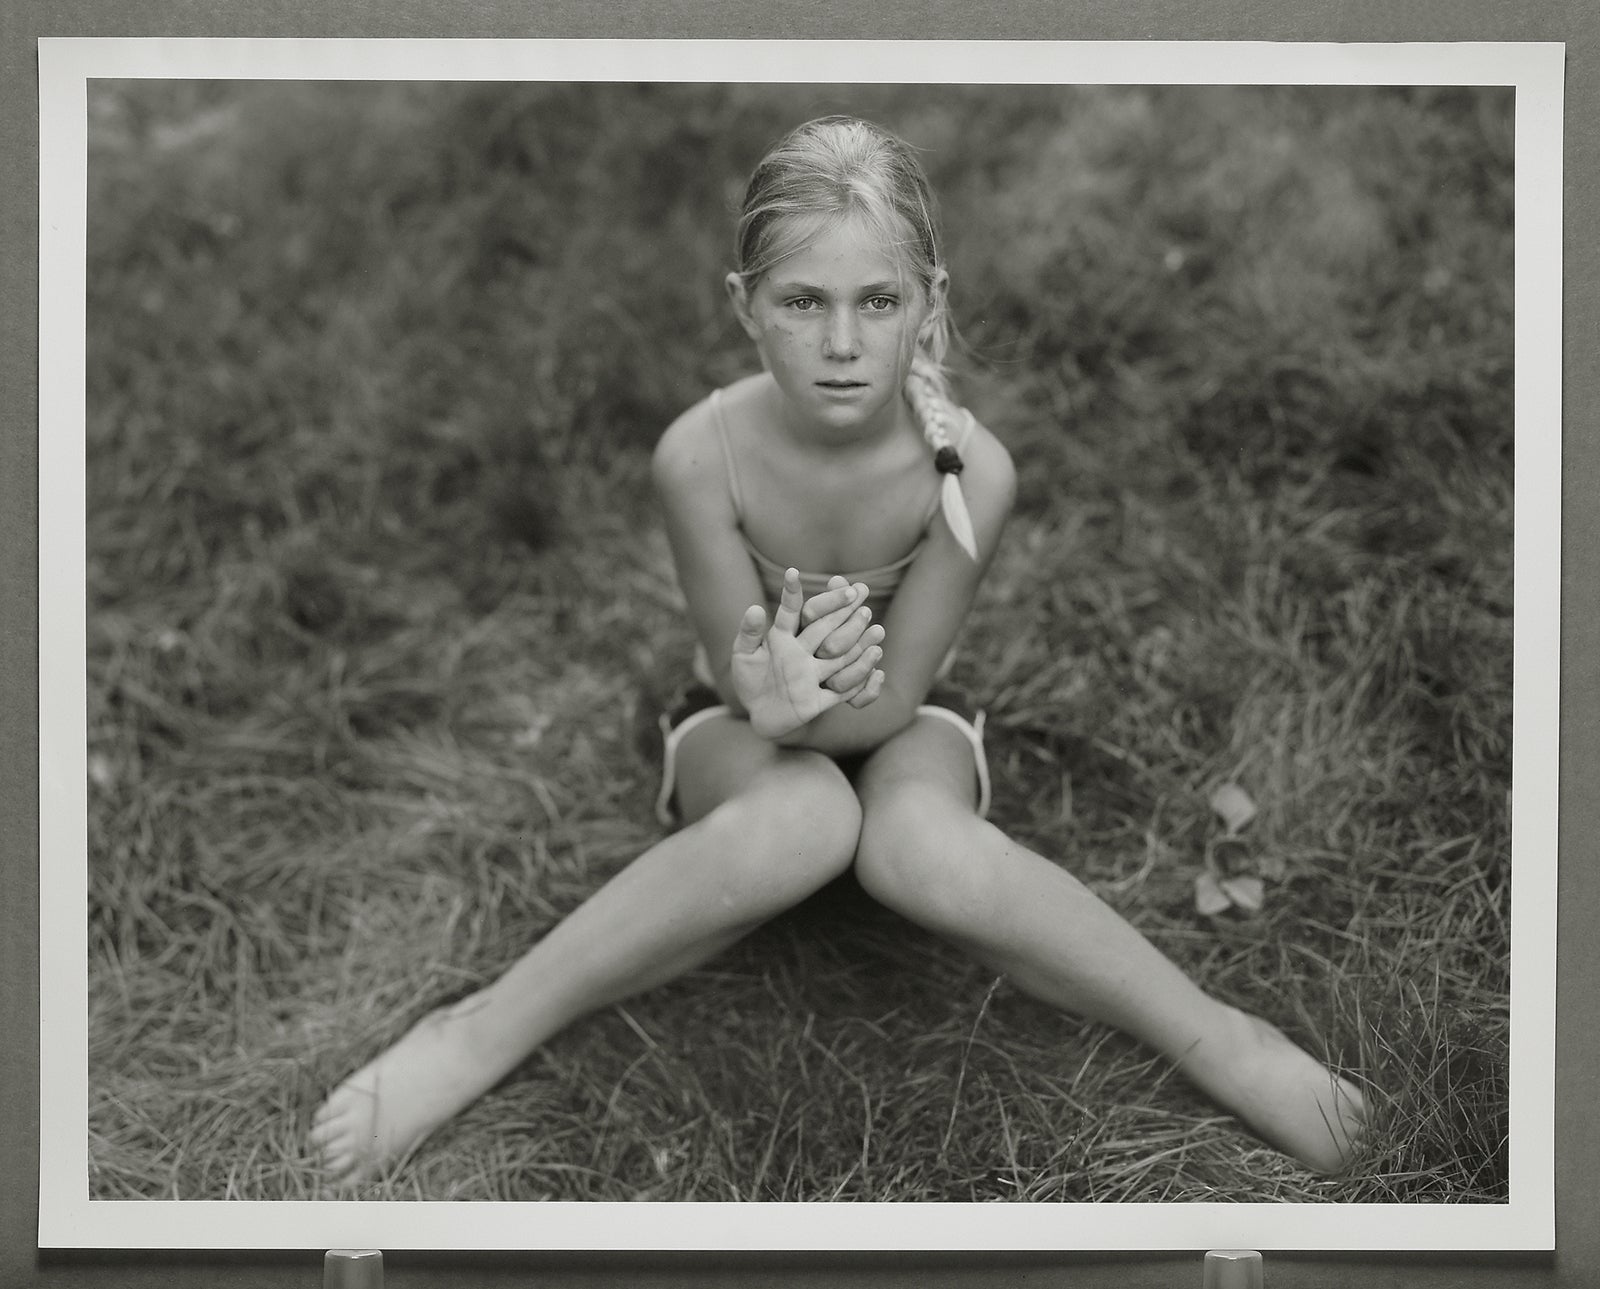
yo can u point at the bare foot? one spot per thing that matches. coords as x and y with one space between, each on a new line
377 1114
1284 1093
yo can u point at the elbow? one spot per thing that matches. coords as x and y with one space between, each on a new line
894 710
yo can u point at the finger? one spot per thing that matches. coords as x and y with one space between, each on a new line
844 638
839 593
848 679
826 625
871 636
869 692
787 618
752 630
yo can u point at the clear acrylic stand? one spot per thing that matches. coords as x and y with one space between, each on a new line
352 1269
1233 1269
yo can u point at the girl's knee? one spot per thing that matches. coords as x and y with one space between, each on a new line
815 809
794 829
921 853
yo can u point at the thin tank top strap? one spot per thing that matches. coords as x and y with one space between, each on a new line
720 421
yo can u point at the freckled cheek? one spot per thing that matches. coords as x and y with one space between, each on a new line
778 339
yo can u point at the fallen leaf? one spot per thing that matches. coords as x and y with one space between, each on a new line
1233 806
1245 892
532 733
1209 897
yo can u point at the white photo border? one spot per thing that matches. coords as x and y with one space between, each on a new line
68 1218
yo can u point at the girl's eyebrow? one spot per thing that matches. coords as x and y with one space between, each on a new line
887 287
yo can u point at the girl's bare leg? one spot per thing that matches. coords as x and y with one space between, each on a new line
768 827
926 854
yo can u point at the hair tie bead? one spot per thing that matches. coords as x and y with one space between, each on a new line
948 461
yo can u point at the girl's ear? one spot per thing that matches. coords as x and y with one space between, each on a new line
938 291
739 297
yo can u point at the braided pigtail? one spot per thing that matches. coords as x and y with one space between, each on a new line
925 390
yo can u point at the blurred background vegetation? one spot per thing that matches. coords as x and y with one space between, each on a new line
381 615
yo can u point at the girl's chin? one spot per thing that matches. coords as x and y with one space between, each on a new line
842 414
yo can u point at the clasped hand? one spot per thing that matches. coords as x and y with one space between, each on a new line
818 653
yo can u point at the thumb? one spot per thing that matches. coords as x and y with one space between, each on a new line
752 630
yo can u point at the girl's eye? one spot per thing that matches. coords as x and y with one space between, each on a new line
803 304
881 303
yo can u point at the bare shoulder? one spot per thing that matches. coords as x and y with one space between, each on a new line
687 466
682 450
688 456
989 477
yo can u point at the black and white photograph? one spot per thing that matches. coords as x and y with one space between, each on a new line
776 640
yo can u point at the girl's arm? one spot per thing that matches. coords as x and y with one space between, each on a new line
929 608
715 572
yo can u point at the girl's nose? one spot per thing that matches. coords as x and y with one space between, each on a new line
842 339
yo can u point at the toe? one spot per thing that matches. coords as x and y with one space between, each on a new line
337 1110
338 1156
324 1134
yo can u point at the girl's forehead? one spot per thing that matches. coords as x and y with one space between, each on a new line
851 247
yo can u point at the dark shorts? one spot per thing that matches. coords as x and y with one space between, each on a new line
700 704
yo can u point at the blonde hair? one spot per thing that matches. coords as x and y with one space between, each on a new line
840 168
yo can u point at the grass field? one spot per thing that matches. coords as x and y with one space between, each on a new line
381 616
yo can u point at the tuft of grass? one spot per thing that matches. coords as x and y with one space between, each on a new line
381 616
